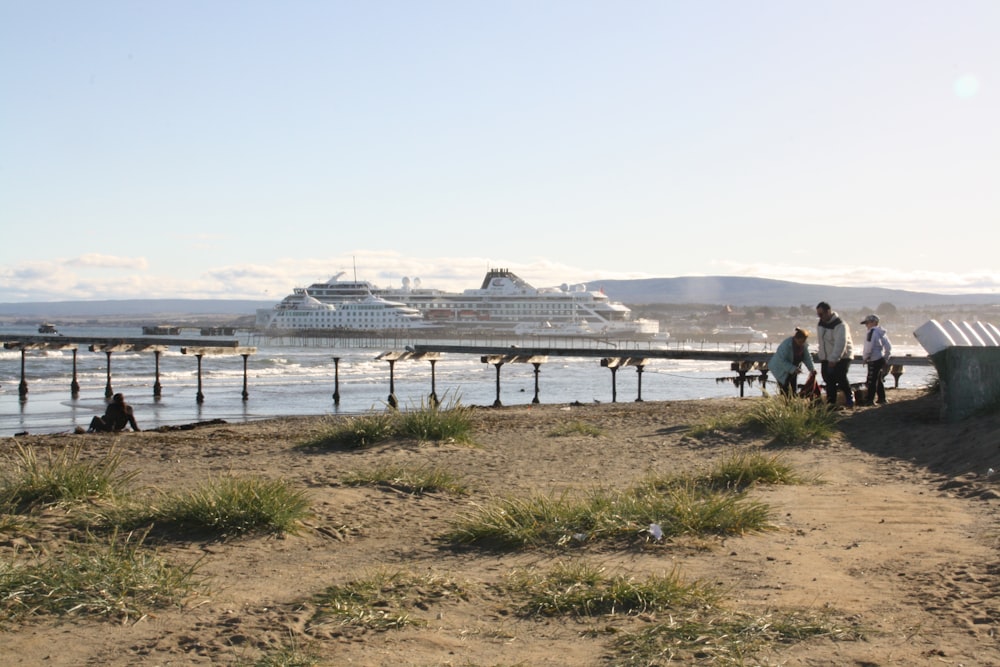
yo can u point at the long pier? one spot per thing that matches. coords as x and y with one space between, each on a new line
742 363
197 347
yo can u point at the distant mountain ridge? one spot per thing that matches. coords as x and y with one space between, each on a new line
744 291
718 290
133 307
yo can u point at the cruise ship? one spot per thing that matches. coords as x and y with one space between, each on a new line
504 303
300 311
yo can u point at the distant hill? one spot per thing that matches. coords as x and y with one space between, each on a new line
741 291
133 307
721 290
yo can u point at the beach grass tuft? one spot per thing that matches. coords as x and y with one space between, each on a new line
746 468
718 423
412 479
582 589
431 421
715 636
576 427
119 579
448 420
647 511
60 477
383 600
232 505
288 654
794 421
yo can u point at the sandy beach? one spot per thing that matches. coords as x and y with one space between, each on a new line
892 538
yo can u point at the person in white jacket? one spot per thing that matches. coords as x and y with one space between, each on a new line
876 354
835 352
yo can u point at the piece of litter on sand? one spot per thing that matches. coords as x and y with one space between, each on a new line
656 531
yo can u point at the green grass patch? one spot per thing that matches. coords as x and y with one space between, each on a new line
576 428
582 589
721 423
384 600
787 420
119 579
794 421
713 636
413 479
284 655
360 431
743 469
31 480
448 421
232 505
646 511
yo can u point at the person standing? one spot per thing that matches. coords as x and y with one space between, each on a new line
876 353
835 351
787 358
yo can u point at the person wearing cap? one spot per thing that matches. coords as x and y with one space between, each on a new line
876 354
787 359
834 351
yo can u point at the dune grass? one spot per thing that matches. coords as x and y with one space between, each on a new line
410 479
436 422
715 636
742 469
787 420
582 589
576 427
232 505
794 421
118 579
63 476
382 600
639 513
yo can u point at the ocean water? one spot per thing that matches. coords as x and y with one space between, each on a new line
289 379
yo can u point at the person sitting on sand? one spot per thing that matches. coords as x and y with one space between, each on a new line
785 362
118 415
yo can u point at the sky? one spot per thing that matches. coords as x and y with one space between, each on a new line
239 148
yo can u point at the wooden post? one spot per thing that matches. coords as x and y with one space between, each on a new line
199 397
246 394
538 369
22 388
157 387
638 371
336 380
497 403
74 386
614 384
741 368
433 397
393 403
108 391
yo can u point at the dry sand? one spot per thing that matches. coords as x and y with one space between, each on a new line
898 538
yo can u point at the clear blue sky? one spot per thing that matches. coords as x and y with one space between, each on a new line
224 148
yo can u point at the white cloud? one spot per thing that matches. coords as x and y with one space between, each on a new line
97 261
88 277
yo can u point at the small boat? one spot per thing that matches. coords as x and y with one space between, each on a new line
47 328
161 330
739 334
218 331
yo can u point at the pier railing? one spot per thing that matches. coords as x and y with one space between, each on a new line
196 347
